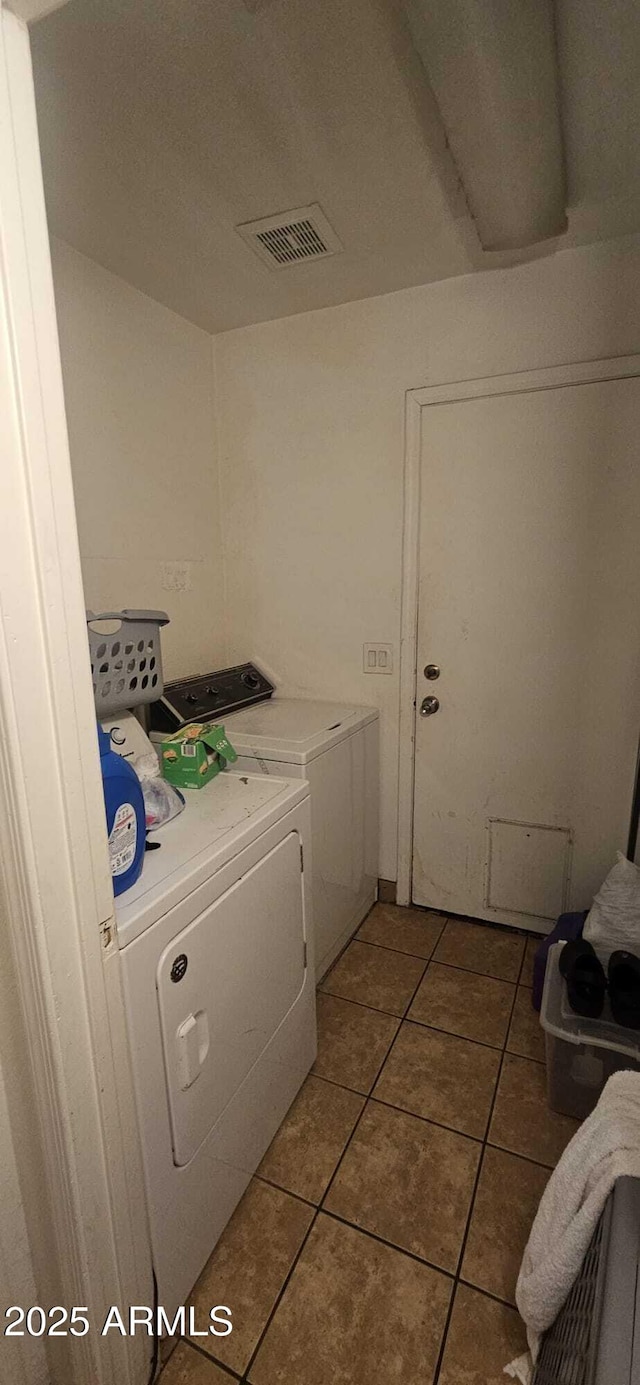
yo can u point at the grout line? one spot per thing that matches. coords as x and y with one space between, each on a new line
428 1120
527 1057
348 1144
524 960
289 1191
472 1202
333 1082
375 1009
484 1146
388 947
418 1024
279 1297
517 1154
379 947
356 1090
399 951
233 1375
351 939
382 1241
438 1029
506 930
381 1065
468 971
317 1209
488 1293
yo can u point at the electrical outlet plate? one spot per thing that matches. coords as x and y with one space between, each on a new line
377 658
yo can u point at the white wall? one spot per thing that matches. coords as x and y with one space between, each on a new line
311 428
139 397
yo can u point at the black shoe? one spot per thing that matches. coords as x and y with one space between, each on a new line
624 989
585 978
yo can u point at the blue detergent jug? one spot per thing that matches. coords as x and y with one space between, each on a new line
124 805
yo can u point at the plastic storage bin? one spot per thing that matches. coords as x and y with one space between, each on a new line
581 1053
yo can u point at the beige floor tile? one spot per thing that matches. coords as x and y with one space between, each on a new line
522 1121
506 1202
249 1266
408 1181
475 1007
375 976
526 1035
408 930
526 975
355 1312
490 951
352 1042
187 1367
441 1077
308 1145
483 1336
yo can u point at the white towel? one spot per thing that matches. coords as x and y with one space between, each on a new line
606 1147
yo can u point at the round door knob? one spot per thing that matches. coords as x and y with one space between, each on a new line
429 706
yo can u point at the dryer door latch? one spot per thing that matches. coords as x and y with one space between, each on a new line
192 1041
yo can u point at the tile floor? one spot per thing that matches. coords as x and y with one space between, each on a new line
381 1238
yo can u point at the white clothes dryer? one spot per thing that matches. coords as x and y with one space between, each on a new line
217 963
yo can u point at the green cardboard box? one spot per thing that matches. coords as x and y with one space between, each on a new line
195 754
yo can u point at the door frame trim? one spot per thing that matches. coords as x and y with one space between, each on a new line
70 1092
451 392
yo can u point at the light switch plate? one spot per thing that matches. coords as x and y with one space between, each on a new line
377 658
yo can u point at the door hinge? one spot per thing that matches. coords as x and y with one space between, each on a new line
305 957
301 857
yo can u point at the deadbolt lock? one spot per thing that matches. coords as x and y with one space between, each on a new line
432 672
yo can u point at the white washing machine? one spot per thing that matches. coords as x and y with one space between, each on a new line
217 960
334 747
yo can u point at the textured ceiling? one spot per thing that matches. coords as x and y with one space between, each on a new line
166 123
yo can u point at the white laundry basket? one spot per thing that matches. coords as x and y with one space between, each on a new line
126 659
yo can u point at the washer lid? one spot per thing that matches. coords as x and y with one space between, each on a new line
218 821
292 729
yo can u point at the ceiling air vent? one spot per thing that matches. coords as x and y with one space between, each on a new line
303 234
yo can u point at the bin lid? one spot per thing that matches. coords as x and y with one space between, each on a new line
557 1017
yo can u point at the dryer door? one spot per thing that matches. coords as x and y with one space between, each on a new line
225 984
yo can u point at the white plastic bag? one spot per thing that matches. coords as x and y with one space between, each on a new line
614 918
162 802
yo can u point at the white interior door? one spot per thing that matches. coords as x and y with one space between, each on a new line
529 603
